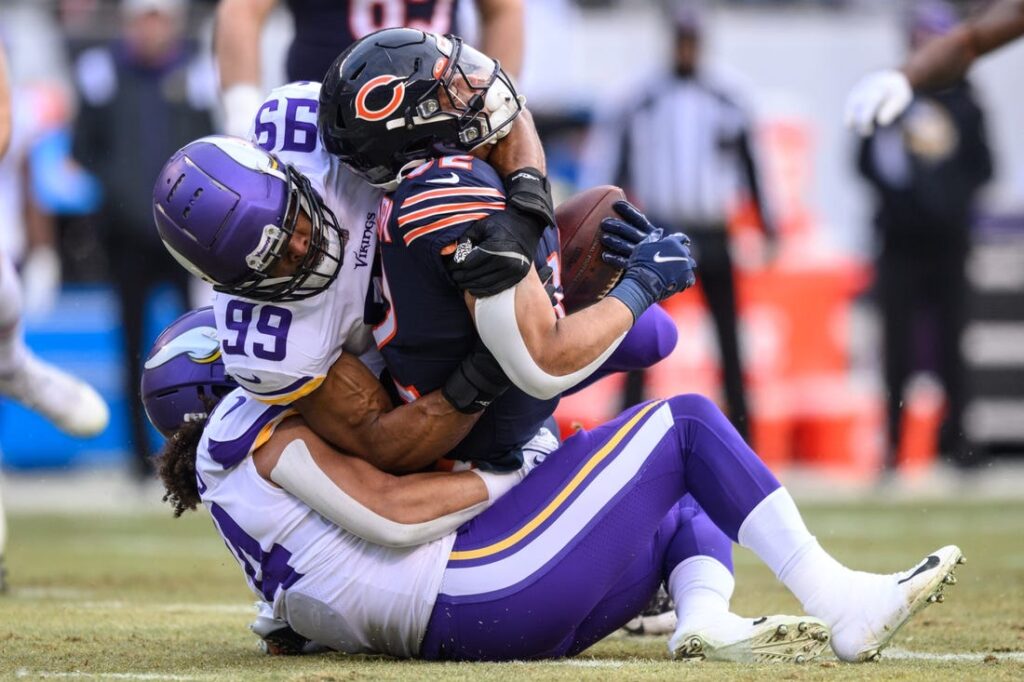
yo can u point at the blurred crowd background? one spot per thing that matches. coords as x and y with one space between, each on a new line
861 304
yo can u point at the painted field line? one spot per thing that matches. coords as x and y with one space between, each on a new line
173 607
903 654
586 663
78 674
39 592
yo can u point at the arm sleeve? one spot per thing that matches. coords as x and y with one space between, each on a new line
298 473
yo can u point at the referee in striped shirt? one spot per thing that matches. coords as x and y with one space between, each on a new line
682 152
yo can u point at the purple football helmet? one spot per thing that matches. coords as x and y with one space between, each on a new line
226 209
184 376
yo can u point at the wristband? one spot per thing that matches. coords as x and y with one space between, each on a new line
528 191
500 483
469 391
633 295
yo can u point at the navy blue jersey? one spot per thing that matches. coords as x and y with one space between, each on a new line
428 330
324 28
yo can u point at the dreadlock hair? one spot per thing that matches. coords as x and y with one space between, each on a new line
176 465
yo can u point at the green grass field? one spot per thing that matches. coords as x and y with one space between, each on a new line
151 597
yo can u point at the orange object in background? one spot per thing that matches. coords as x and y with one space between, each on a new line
804 406
924 407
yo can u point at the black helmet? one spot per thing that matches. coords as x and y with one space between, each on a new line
400 96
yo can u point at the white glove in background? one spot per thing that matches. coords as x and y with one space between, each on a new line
240 102
877 100
40 280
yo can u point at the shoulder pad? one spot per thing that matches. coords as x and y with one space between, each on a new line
443 193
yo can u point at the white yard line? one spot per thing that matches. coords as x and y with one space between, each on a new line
903 654
76 599
182 607
78 674
585 663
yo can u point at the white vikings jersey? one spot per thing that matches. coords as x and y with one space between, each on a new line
280 352
329 585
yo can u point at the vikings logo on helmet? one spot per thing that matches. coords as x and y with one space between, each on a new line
247 155
364 111
184 376
199 343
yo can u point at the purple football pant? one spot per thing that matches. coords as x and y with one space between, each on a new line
649 341
578 548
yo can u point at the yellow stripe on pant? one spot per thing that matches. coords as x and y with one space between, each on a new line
553 506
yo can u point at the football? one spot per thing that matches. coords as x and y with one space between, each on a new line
586 279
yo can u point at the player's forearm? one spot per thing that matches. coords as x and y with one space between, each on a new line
413 498
5 106
575 341
942 61
502 29
352 412
416 435
416 498
531 343
521 148
383 509
946 59
237 41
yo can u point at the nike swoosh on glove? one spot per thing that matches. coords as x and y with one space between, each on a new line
658 268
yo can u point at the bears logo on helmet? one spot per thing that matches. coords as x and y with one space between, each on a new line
449 99
363 110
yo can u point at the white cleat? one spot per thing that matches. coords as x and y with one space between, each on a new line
771 639
72 405
883 603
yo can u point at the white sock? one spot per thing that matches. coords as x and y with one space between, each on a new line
12 343
777 534
700 587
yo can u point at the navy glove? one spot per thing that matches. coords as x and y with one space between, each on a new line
500 248
658 268
620 237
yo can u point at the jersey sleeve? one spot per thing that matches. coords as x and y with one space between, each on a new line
274 387
437 203
270 362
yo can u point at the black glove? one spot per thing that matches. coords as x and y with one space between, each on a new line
496 252
476 382
620 237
